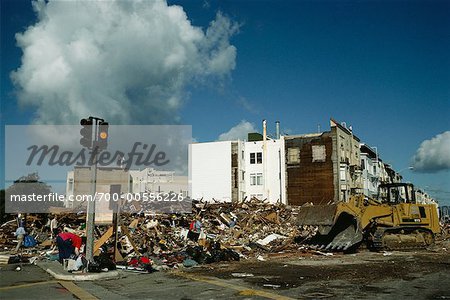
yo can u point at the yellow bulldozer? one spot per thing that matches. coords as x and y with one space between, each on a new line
393 221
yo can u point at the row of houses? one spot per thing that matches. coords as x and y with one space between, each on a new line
296 169
291 169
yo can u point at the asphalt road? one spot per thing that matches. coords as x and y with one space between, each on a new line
366 275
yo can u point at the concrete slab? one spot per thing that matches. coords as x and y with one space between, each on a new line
56 270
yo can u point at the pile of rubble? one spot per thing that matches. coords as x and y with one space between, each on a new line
227 231
212 232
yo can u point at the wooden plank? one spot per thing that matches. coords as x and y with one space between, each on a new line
127 233
102 240
118 257
77 291
134 223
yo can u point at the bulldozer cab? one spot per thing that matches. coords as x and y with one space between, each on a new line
396 193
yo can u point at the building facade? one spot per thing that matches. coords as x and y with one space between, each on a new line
264 170
236 170
217 170
323 167
372 170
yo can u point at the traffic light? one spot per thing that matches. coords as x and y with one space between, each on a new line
86 133
102 136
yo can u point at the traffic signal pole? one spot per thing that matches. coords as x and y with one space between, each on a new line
94 138
90 215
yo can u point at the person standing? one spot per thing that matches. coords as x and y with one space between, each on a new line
194 229
20 234
54 226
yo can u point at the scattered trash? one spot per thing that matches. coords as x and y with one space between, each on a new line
322 253
29 241
270 238
189 263
242 275
70 265
274 286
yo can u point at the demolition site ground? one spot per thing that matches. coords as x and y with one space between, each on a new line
364 275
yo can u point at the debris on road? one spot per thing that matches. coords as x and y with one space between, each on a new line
241 275
213 232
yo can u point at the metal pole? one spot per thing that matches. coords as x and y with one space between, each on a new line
90 216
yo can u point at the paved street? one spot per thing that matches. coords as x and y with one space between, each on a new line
366 275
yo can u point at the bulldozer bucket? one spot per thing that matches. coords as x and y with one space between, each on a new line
318 215
334 232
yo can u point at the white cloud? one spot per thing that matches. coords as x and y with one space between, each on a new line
433 155
247 105
240 131
126 61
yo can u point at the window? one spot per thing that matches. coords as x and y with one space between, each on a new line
256 158
318 153
363 164
343 174
293 155
259 157
259 179
256 179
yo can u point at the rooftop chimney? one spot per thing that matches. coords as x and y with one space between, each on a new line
264 130
277 130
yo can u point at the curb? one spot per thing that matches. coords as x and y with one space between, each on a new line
81 277
84 277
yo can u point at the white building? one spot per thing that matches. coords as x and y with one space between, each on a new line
372 170
264 170
234 170
217 170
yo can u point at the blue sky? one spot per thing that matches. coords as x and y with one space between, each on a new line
381 66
